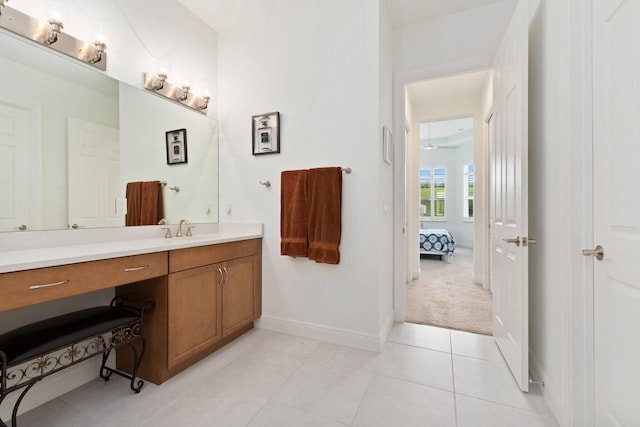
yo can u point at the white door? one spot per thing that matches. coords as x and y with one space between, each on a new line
94 175
509 202
616 125
14 174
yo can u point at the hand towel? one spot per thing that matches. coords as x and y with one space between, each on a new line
325 214
151 209
134 201
293 213
144 203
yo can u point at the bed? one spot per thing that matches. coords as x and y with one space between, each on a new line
437 241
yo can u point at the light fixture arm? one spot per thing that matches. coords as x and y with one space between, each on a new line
56 27
185 93
205 104
161 78
100 49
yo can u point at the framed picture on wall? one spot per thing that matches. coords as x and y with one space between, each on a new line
266 133
176 146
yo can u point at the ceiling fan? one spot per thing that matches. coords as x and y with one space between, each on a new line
430 146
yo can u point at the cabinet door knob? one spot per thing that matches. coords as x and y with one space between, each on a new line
220 277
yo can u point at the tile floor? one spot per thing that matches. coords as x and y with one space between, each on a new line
425 376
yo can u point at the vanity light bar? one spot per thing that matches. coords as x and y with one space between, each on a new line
157 83
50 34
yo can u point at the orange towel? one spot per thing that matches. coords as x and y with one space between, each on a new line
144 203
325 214
293 213
134 201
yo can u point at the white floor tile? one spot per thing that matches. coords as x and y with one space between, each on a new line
70 417
271 379
475 345
258 372
341 357
490 381
204 411
290 344
331 392
391 402
473 412
424 336
276 414
419 365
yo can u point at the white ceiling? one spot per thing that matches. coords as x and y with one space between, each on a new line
459 86
223 14
407 12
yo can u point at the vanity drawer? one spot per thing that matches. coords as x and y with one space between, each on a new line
183 259
23 288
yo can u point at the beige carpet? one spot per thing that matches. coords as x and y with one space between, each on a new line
446 296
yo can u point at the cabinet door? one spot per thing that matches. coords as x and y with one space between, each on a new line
193 312
238 293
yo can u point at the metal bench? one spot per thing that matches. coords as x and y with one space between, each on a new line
37 350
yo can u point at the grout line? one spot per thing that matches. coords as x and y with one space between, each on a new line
355 414
453 381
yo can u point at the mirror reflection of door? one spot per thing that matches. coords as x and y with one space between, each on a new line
14 174
94 175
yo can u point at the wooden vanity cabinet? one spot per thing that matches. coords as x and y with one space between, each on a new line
237 293
211 296
193 312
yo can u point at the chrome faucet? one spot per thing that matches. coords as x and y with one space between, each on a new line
188 224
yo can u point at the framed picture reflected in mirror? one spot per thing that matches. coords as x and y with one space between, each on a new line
176 146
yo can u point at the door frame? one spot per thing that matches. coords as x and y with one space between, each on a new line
400 178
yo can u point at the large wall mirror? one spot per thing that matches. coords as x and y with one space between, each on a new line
71 139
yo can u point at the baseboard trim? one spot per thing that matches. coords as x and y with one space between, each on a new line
52 387
346 337
386 328
549 390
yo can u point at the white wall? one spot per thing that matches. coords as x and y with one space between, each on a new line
385 269
456 40
318 64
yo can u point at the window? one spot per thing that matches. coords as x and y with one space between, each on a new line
468 181
433 192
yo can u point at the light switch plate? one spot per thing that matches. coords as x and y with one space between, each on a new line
121 206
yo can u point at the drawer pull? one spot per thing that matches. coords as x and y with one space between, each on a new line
48 285
142 267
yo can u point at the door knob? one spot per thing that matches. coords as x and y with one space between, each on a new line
516 241
598 252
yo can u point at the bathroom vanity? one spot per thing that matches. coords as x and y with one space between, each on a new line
207 288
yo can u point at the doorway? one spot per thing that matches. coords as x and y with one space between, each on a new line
444 291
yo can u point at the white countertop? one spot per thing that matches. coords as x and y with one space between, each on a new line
73 246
